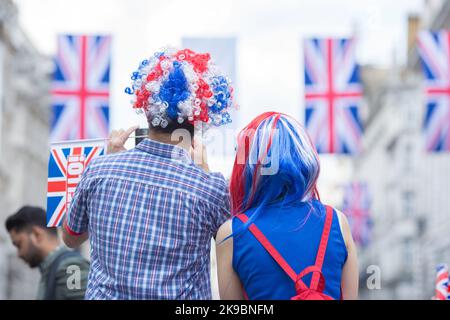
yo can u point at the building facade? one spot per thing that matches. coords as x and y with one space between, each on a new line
410 188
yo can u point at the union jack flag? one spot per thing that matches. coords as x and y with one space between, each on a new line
80 89
356 207
333 94
66 164
434 51
442 282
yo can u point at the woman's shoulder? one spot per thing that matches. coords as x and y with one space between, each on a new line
224 230
344 226
342 222
341 217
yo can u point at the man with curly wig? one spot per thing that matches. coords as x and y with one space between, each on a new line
150 212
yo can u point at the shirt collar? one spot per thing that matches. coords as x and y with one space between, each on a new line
164 150
50 258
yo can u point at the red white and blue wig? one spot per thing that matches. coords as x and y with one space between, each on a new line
181 85
275 161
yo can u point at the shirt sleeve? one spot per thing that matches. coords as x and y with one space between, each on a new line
221 211
77 215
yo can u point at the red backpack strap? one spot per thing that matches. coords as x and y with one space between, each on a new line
270 249
299 286
322 247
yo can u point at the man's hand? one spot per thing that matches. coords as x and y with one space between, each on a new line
198 154
117 139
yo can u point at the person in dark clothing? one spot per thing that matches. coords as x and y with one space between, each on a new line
63 272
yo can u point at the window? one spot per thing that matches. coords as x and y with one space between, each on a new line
408 197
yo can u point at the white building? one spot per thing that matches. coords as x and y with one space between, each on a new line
24 117
410 188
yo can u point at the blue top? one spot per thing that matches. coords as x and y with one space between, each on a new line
295 231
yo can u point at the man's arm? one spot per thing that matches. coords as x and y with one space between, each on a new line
75 222
221 211
71 238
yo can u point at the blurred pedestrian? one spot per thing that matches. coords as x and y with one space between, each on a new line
63 271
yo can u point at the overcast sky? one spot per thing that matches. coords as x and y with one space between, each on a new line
268 35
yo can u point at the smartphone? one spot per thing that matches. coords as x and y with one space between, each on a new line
141 134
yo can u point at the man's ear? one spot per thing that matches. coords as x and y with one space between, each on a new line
36 234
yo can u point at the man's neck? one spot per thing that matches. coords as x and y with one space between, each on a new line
49 248
168 139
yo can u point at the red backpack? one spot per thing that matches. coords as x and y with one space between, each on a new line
317 285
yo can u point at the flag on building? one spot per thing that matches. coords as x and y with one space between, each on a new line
80 88
333 95
434 52
356 207
67 162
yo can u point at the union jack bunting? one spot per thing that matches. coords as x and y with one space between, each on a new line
66 164
80 89
434 52
333 95
356 207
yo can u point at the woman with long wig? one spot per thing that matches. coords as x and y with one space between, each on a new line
279 223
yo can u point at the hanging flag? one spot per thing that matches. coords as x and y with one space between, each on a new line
434 52
442 281
333 95
66 164
80 88
356 207
222 50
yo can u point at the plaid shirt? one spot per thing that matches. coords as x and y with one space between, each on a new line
150 213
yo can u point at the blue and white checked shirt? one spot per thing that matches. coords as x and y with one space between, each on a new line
150 213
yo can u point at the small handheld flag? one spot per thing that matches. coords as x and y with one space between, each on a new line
67 162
